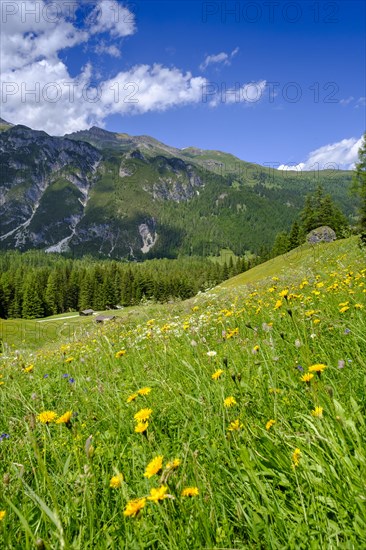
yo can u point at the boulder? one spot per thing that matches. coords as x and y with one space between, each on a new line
323 234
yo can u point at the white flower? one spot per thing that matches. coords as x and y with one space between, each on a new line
212 353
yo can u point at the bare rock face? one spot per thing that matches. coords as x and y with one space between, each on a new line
324 234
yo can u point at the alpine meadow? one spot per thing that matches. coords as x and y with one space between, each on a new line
182 275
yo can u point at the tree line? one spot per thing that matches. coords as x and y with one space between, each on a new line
35 284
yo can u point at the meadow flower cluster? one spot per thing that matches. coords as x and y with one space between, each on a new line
233 420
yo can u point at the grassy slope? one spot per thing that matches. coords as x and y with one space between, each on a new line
255 489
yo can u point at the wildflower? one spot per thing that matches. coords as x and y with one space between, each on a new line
158 494
343 309
29 369
120 353
154 466
174 464
211 353
347 331
307 377
47 417
132 397
71 380
300 368
319 367
284 293
235 425
142 415
69 359
216 375
229 401
190 492
195 308
45 375
65 418
255 349
341 364
2 514
133 507
358 306
343 304
275 390
144 391
4 436
296 457
141 427
150 322
278 304
65 376
270 424
116 481
318 412
231 333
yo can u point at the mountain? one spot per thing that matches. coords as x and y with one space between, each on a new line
115 195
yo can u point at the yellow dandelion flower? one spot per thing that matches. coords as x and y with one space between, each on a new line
195 308
131 397
29 369
318 412
65 418
316 321
358 306
154 466
141 427
133 507
307 377
296 457
142 415
116 481
46 417
144 391
343 304
319 367
284 293
229 401
120 353
69 359
270 424
190 492
216 375
343 309
174 464
2 514
235 425
158 494
278 304
150 322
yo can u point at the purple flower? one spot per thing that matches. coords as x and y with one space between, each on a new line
4 436
341 364
65 376
347 331
45 375
71 380
300 368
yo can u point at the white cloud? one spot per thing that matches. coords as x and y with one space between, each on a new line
102 48
110 16
248 94
222 57
347 101
341 155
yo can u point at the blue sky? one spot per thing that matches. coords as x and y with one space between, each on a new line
273 82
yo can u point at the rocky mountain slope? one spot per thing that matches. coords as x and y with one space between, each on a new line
116 195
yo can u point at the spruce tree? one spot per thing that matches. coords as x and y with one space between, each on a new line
359 180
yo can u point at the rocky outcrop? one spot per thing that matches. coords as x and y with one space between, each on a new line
323 234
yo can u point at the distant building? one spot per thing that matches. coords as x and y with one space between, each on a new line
86 312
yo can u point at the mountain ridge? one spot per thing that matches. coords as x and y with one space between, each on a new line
114 195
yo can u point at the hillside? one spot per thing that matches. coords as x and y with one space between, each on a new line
120 196
233 420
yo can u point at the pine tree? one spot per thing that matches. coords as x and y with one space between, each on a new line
359 180
281 244
32 302
294 236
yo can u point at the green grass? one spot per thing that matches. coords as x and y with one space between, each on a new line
252 492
